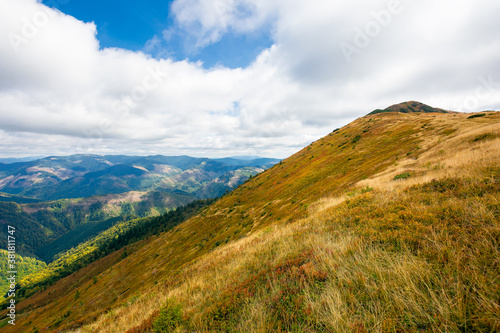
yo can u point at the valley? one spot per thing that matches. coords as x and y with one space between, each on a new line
62 202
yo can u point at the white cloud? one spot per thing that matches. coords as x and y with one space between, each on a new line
208 21
60 93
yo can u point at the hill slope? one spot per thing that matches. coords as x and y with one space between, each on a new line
332 239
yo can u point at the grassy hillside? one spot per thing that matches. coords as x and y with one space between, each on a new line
388 224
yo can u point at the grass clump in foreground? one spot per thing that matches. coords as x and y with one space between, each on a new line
424 259
169 318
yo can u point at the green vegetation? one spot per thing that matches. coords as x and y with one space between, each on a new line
79 235
55 226
478 115
484 137
4 197
117 237
169 318
24 267
357 191
404 175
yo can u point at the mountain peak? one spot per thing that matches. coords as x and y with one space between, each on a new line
409 107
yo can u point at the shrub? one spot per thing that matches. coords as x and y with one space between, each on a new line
169 318
483 137
476 115
281 287
404 175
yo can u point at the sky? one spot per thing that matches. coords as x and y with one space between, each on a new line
231 77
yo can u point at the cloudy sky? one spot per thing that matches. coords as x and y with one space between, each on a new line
231 77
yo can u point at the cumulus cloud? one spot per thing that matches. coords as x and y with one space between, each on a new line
331 61
208 21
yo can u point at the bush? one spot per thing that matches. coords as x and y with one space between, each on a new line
404 175
483 137
476 115
169 318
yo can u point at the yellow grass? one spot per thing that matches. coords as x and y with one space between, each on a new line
370 289
370 254
455 156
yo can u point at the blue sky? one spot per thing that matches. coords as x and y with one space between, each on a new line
222 78
130 24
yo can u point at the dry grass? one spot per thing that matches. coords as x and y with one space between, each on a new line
372 285
455 156
411 255
413 278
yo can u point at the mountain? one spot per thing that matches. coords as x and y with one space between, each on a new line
226 183
76 176
101 191
410 107
20 159
390 223
4 197
44 223
99 188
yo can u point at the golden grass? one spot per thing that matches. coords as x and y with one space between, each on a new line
454 156
356 262
370 285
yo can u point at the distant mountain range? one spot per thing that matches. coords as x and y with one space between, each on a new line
20 159
77 176
83 194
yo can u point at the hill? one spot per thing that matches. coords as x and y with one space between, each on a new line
45 224
4 197
389 224
25 266
78 176
115 234
98 188
410 107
